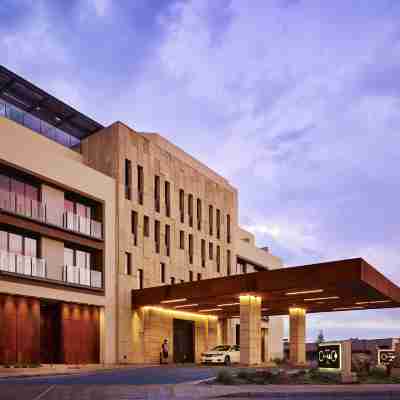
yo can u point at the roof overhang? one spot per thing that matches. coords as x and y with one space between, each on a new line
343 285
31 99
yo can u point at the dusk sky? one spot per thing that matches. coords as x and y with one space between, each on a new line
297 103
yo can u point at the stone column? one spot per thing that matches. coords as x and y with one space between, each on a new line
250 330
297 336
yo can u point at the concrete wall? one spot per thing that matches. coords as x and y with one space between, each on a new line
48 160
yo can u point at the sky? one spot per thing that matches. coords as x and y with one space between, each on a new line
295 102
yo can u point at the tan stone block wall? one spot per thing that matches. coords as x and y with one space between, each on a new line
250 330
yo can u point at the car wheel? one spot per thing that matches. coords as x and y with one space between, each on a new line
227 360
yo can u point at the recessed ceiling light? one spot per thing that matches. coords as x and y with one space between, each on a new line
173 301
323 298
186 305
304 292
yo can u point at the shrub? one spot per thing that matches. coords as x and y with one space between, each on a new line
244 374
378 373
225 377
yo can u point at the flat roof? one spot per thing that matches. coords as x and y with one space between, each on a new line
343 285
25 95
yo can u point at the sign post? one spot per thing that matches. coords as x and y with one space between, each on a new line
336 357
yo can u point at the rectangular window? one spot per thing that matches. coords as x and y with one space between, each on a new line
228 262
228 228
182 205
190 209
140 279
203 253
167 239
199 277
134 223
157 235
182 240
146 226
128 265
167 199
190 276
128 179
218 223
140 184
172 280
69 258
210 250
218 259
199 214
162 272
157 193
210 219
190 248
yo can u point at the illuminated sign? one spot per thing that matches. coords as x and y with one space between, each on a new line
386 356
330 356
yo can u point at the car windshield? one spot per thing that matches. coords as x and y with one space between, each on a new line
221 348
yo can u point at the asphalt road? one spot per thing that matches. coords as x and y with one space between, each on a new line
118 384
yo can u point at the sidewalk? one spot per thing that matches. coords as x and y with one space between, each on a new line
63 369
202 391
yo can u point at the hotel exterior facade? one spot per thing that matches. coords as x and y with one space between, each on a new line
89 214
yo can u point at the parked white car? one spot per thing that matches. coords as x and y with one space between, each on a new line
222 354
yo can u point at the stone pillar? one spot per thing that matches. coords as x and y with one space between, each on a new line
297 336
250 330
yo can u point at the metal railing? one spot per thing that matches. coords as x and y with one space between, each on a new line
36 124
21 205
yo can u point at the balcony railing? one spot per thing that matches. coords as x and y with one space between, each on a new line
43 128
20 205
20 264
82 276
37 268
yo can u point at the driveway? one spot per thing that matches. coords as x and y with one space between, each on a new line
118 384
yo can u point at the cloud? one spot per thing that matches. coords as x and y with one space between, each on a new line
101 7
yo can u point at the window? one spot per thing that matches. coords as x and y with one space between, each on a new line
182 205
228 228
203 253
182 240
167 239
167 199
182 281
128 265
199 212
162 272
190 276
210 219
140 279
134 223
190 248
218 223
172 280
157 235
157 193
140 184
78 258
210 250
199 277
128 179
146 226
228 262
190 209
218 259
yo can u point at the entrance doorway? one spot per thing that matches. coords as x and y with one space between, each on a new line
50 333
183 341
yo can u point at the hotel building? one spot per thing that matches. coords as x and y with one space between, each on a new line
90 215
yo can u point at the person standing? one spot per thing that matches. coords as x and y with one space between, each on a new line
164 352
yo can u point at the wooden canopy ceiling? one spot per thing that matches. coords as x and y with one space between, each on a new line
342 285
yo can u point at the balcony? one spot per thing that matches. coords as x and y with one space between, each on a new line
20 205
32 267
82 276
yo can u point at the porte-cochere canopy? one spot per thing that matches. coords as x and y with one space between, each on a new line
342 285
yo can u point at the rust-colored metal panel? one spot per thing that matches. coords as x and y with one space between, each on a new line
8 330
80 334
